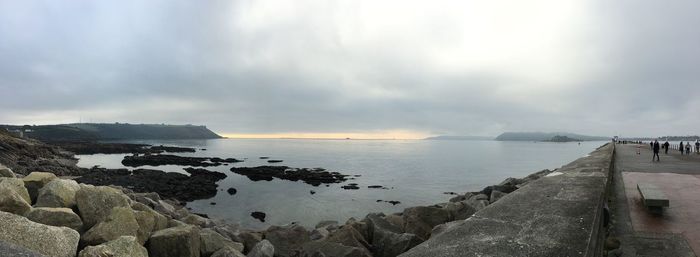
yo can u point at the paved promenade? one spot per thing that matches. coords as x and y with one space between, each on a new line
677 231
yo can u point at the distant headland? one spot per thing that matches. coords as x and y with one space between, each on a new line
111 131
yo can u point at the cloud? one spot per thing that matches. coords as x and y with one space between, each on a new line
452 67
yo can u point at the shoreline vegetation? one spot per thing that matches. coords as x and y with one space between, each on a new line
142 212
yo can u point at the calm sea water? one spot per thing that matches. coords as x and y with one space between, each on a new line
417 171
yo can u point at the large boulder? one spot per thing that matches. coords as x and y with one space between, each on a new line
211 242
160 221
387 239
7 249
396 220
6 172
439 229
360 226
288 239
325 248
95 203
459 210
249 239
262 249
17 185
58 193
59 217
147 225
120 222
349 236
182 241
47 240
194 219
125 246
228 252
421 220
12 202
35 181
496 195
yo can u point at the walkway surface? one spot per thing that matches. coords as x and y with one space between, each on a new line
676 232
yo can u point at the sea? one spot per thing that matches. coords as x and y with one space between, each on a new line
414 172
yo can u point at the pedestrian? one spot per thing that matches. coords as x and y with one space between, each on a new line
651 144
666 146
687 148
680 147
655 146
697 146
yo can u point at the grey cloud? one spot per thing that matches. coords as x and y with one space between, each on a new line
200 62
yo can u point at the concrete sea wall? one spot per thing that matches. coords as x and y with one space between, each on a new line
558 215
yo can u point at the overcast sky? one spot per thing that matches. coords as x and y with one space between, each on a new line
406 68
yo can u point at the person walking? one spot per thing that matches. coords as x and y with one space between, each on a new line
687 148
655 146
697 146
680 148
666 146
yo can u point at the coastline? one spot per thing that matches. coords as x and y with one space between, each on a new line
377 234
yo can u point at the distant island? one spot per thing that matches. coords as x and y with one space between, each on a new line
110 131
547 136
458 138
562 139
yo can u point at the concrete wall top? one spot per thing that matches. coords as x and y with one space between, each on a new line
556 215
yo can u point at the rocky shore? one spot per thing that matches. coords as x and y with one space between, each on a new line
119 213
167 159
49 216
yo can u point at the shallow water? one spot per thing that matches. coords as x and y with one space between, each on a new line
418 172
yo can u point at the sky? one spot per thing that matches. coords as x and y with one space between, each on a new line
356 68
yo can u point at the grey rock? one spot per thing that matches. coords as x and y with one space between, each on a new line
319 234
323 248
182 241
147 225
211 242
288 239
349 236
459 210
58 193
421 220
59 217
17 185
95 203
6 172
496 195
12 202
439 229
387 239
7 249
175 223
249 239
326 223
262 249
43 239
194 219
360 226
35 181
228 252
125 246
164 208
161 222
120 222
396 220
